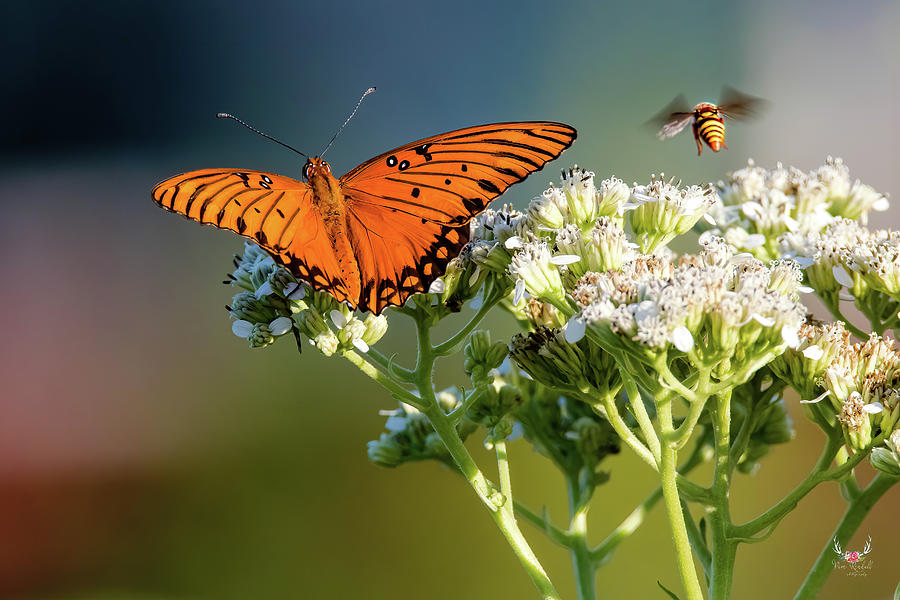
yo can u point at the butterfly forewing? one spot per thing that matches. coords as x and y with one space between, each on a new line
449 178
274 211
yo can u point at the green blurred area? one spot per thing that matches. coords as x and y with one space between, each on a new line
146 453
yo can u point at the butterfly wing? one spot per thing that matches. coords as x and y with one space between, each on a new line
409 208
274 211
451 177
399 254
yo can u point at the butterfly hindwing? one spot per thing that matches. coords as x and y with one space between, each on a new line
399 254
451 177
274 211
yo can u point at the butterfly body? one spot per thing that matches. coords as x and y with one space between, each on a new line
329 200
383 231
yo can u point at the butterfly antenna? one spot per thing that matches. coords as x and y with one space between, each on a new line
361 98
255 130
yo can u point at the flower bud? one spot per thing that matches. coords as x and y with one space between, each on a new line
260 336
481 355
375 328
385 451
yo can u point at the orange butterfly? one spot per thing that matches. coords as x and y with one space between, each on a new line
385 230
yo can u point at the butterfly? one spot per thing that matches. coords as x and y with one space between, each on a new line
383 231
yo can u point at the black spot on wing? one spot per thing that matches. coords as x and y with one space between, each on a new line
488 186
473 204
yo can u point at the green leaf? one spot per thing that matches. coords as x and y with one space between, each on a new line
671 593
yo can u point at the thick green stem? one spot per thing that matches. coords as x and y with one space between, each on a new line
578 547
723 549
856 511
672 500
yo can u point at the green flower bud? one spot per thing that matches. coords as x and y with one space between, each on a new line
385 451
481 355
260 336
887 459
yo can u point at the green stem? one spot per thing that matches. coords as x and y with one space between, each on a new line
640 415
818 475
673 505
698 542
503 473
628 526
723 550
452 344
578 547
445 427
634 520
853 517
833 304
387 382
390 367
505 519
543 523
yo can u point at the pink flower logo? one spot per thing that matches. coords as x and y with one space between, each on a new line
852 557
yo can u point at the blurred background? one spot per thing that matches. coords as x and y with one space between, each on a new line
146 453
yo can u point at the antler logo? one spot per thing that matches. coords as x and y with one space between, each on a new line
852 556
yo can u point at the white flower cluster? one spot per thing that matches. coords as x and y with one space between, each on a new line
757 205
847 254
713 304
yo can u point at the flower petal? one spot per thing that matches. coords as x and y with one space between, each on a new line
764 321
564 259
297 293
813 352
437 286
338 318
519 293
816 399
842 276
264 290
280 326
575 329
360 345
241 328
873 408
514 242
790 337
395 423
682 338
